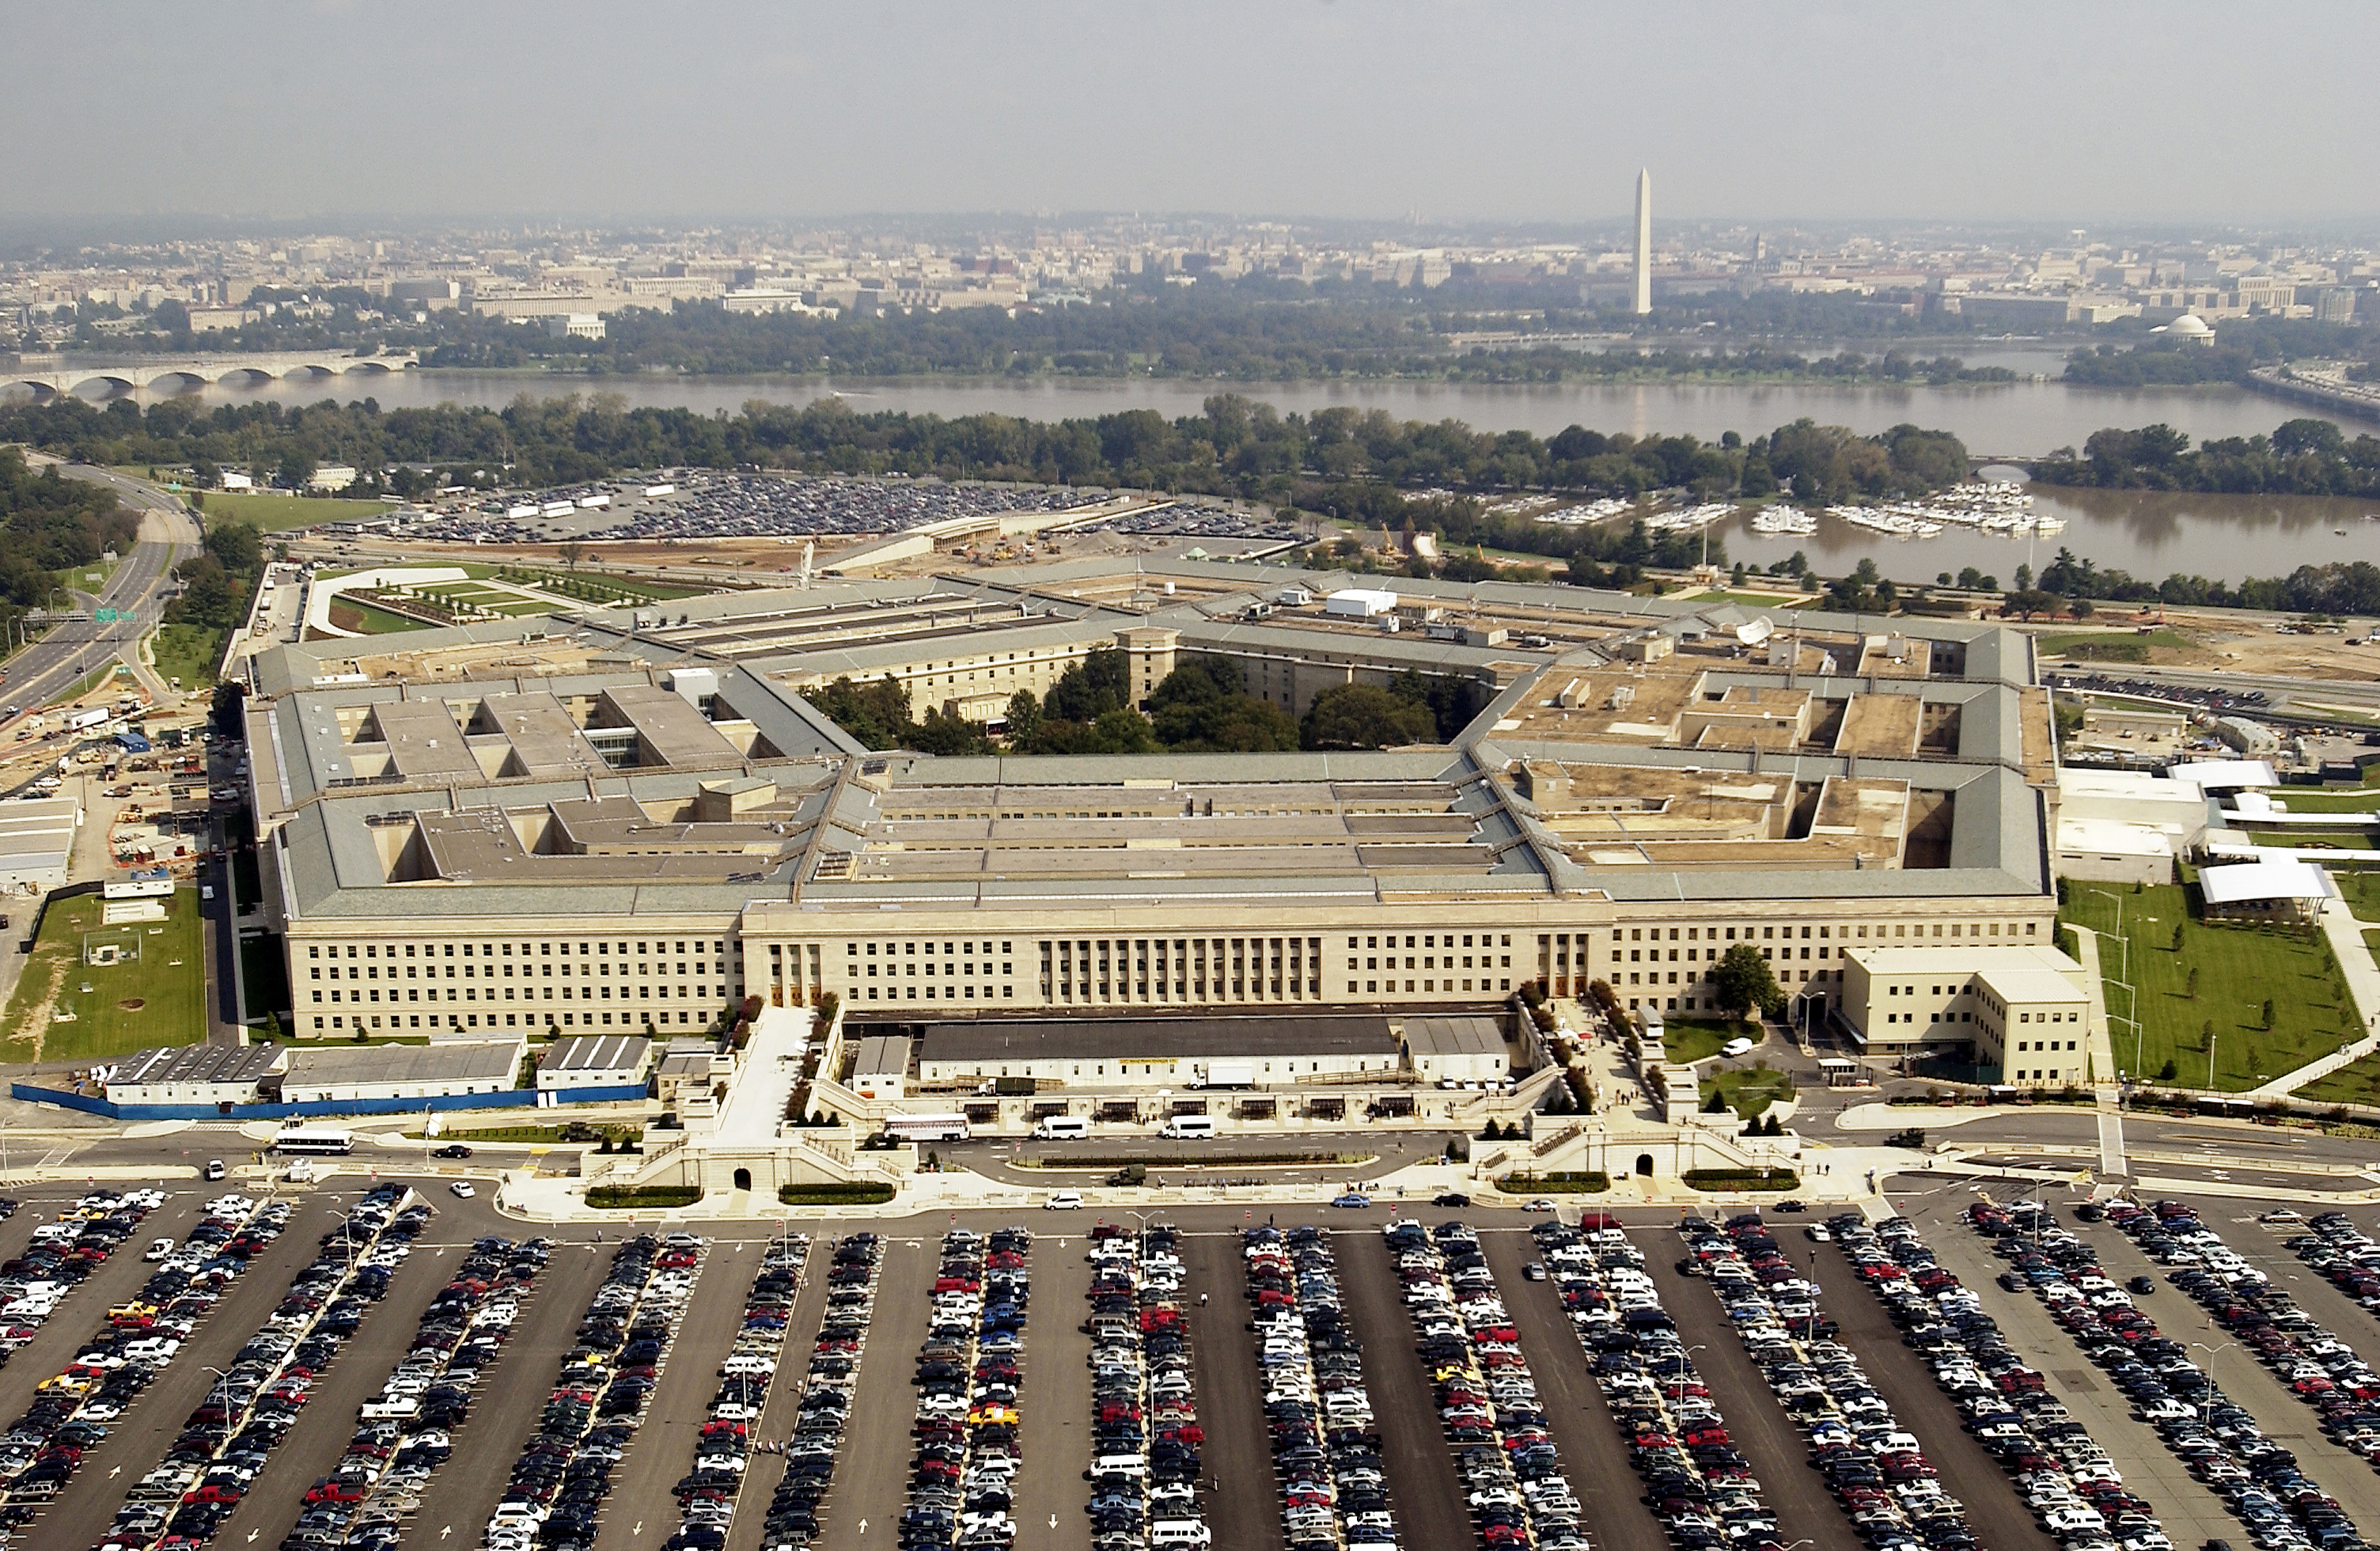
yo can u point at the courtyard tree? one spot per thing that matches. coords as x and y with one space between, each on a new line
1743 981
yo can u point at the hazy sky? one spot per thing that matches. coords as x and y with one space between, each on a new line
1817 111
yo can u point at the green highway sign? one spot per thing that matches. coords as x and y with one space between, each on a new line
107 616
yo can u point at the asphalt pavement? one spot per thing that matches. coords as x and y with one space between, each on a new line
1779 1453
1968 1471
1424 1491
1237 1454
1594 1454
137 1439
1053 1399
663 1448
873 1470
53 664
365 1359
510 1396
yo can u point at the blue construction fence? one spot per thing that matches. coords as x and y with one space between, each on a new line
510 1099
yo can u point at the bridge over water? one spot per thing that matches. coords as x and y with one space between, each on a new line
53 375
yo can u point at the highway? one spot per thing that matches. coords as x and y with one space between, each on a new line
51 666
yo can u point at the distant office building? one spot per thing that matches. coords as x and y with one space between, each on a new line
331 477
575 325
1643 241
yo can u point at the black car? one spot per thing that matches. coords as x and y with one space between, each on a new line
1452 1198
453 1149
2141 1284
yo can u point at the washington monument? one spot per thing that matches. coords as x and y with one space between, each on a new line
1643 241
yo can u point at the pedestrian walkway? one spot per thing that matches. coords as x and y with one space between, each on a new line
2102 1046
2363 976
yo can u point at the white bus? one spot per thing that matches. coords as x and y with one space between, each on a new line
927 1128
313 1139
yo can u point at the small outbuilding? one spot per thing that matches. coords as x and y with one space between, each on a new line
202 1075
352 1073
607 1061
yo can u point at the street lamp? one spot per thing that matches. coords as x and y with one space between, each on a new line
1686 1365
215 1389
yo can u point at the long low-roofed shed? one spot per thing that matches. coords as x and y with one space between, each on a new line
1092 1049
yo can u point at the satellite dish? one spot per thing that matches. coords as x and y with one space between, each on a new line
1752 632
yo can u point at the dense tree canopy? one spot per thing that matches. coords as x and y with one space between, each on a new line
1360 716
2305 456
52 525
1203 707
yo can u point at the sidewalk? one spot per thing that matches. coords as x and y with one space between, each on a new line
2102 1041
2362 975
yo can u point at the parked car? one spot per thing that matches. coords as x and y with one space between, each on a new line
453 1149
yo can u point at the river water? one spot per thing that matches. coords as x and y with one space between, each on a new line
2149 533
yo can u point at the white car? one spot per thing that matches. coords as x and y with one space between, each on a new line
1063 1200
1735 1048
463 1188
158 1250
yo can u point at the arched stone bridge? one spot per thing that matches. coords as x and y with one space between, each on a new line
53 375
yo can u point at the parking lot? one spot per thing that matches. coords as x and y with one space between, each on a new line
872 1478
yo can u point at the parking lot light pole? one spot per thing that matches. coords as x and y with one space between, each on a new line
1679 1396
217 1389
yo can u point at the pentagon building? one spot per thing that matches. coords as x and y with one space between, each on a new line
629 818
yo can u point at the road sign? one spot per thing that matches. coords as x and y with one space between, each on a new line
107 616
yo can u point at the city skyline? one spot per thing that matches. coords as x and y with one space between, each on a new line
1853 112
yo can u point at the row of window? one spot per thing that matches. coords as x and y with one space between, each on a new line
492 949
601 967
1956 930
338 1021
528 993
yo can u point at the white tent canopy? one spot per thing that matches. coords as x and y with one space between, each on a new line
2225 774
2246 882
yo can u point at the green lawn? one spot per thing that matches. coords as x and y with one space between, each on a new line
97 678
1694 1039
2357 1083
2239 968
189 653
353 613
274 513
597 588
2362 897
1756 599
169 982
1750 1090
2350 799
2095 643
2317 840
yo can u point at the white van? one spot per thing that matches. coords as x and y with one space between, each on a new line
1180 1532
1133 1465
1064 1201
1061 1128
1182 1127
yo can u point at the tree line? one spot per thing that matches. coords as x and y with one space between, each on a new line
1345 462
2303 457
2340 587
1253 328
51 527
1202 706
2239 346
